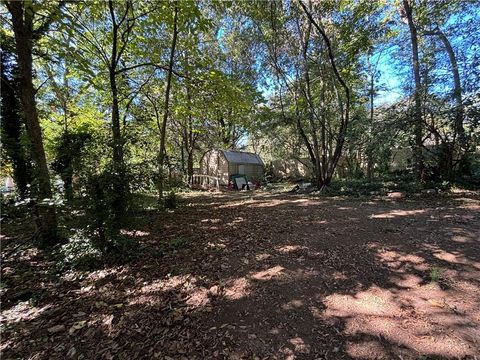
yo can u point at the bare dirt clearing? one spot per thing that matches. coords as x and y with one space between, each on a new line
265 276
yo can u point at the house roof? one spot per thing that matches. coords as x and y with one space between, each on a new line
241 157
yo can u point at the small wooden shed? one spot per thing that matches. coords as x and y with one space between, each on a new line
225 163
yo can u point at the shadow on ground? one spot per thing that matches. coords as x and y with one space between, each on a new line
269 276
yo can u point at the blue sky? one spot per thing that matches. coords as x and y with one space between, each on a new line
389 78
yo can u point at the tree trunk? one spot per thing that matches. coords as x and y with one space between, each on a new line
190 139
120 184
370 162
345 111
457 90
311 114
161 155
190 165
417 118
46 219
116 131
459 130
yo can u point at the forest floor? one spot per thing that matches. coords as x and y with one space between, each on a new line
262 276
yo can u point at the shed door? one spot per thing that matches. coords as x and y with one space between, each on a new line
241 169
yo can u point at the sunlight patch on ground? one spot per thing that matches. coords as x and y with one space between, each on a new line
437 327
167 284
453 257
419 336
402 262
460 239
293 304
396 213
375 301
213 221
290 248
21 312
237 220
270 203
300 346
364 349
219 245
346 208
210 223
269 273
262 256
237 289
198 298
134 233
450 257
337 275
306 201
407 281
462 235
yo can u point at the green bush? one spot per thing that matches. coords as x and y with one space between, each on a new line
170 201
109 203
78 253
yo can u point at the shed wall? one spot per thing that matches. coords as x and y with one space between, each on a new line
222 168
251 171
214 163
208 166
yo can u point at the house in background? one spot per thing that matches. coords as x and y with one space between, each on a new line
292 169
225 163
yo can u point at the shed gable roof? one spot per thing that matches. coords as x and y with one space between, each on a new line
240 157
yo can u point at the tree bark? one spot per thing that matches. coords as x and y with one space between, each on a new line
370 162
46 219
345 110
190 137
457 86
161 155
116 131
120 183
417 117
319 180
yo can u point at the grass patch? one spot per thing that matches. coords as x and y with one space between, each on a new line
435 275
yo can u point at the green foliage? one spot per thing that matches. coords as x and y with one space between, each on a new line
170 200
68 158
14 145
379 186
105 191
78 253
435 274
240 81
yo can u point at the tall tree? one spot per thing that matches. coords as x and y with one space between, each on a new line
457 86
408 14
345 113
166 106
23 20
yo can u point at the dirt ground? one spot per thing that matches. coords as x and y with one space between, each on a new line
264 276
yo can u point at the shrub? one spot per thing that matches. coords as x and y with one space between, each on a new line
108 209
78 253
435 274
170 201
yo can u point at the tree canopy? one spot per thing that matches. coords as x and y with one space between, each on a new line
116 97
